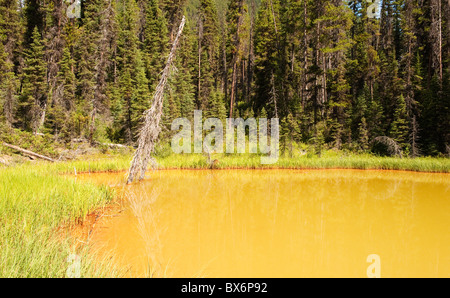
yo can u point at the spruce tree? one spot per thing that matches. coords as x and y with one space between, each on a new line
141 95
266 57
182 82
59 120
207 53
33 99
363 135
133 84
399 130
10 43
8 83
155 42
234 19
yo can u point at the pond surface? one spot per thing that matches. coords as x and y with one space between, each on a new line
280 223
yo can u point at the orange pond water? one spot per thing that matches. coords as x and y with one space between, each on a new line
280 223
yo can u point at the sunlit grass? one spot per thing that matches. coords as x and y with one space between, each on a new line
441 165
34 203
328 160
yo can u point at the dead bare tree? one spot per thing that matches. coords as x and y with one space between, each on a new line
151 129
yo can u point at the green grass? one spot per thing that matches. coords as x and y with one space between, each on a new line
329 160
36 199
34 203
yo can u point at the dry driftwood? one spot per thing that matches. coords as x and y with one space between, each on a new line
29 153
150 131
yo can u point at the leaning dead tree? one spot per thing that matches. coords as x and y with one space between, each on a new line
151 129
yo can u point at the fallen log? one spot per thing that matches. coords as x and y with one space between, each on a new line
29 153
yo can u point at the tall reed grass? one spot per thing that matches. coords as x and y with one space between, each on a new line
327 161
34 202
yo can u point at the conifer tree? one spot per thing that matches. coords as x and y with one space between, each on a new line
33 98
337 21
399 130
155 42
8 84
182 85
234 18
290 133
266 57
132 83
86 51
141 95
363 135
63 104
10 42
207 50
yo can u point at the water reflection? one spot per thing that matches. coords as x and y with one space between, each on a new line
285 223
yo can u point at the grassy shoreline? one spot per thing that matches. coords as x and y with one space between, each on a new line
37 198
118 163
35 202
196 161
